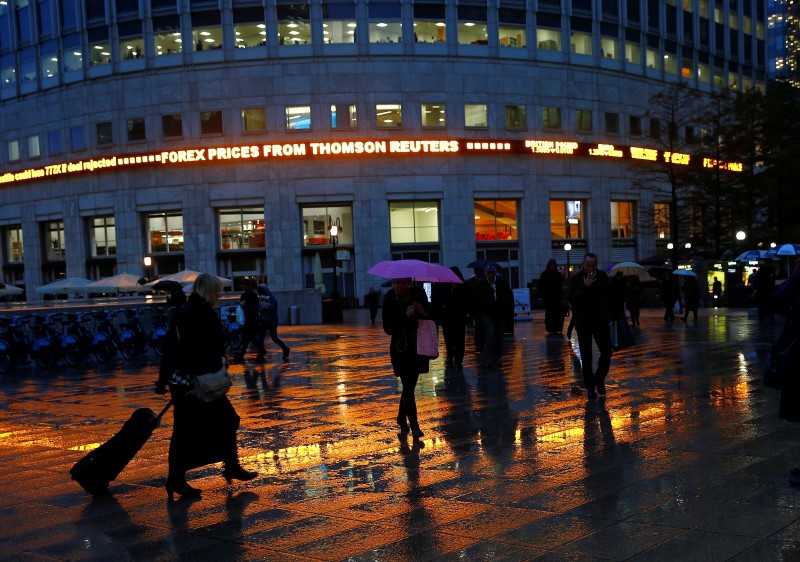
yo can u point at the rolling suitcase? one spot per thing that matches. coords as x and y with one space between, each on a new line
95 471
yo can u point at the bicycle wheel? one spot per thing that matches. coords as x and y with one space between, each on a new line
6 362
103 351
45 358
158 347
127 348
235 341
72 356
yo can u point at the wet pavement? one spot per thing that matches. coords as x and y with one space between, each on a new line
685 459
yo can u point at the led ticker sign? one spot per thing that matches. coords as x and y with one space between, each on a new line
418 148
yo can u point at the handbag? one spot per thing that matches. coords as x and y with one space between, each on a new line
427 339
212 386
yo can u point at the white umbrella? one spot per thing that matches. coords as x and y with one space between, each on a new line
70 285
188 276
8 290
120 283
319 284
627 268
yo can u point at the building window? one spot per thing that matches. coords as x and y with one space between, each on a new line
495 220
612 123
566 219
77 137
294 24
343 116
99 46
54 142
388 115
655 128
551 118
34 150
254 120
104 132
548 39
635 125
206 30
249 29
633 52
338 23
13 151
48 60
472 25
165 233
475 116
608 48
54 238
71 52
136 130
652 59
103 237
131 40
583 120
167 35
8 72
413 221
211 122
671 63
172 125
511 30
242 228
298 117
385 24
14 248
429 23
433 115
516 117
580 43
703 73
622 219
317 220
661 219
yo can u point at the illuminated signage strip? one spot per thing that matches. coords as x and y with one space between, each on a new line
425 148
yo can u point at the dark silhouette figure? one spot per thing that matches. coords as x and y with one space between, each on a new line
633 298
372 300
268 317
551 290
765 285
619 288
716 292
495 301
450 302
691 297
251 330
670 294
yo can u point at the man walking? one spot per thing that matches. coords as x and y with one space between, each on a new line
591 298
494 300
250 331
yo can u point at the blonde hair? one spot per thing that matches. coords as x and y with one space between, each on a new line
208 286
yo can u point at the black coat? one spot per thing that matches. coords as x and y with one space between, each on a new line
195 343
403 329
787 298
550 286
591 305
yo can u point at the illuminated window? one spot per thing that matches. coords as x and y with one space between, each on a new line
566 219
472 25
34 149
548 39
551 118
608 48
414 221
242 228
206 30
167 35
343 116
580 43
612 123
635 124
317 220
433 115
13 151
385 24
294 24
671 63
99 46
583 120
254 120
718 77
653 60
429 23
54 239
103 237
131 40
136 129
48 61
249 27
661 217
105 134
495 220
622 219
511 30
165 232
172 125
516 117
14 248
298 117
8 72
77 136
388 115
633 52
211 122
703 73
338 23
475 116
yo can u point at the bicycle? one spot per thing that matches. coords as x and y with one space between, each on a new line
14 343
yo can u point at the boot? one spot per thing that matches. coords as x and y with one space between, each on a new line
237 472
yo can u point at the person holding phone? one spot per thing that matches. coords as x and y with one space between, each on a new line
592 300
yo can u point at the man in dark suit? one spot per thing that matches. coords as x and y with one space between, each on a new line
592 301
494 300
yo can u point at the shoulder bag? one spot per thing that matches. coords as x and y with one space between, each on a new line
210 386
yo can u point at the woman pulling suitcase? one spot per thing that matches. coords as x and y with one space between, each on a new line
203 432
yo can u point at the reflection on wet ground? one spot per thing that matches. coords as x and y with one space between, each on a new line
684 459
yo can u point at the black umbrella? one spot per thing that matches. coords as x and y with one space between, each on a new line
482 264
659 271
167 285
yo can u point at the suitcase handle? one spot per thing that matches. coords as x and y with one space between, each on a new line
161 414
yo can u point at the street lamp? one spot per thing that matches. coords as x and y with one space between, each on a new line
567 248
741 235
148 264
335 228
688 245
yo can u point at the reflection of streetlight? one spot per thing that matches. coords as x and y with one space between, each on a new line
148 263
567 248
335 229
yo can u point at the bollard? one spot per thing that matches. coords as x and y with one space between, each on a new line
294 315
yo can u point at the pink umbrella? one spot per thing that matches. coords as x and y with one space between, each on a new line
419 270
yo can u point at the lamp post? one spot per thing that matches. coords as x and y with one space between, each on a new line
148 264
335 229
567 248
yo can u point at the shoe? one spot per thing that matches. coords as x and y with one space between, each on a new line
417 432
286 354
259 359
182 488
238 473
601 388
591 394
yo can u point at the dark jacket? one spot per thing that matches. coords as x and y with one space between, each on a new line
268 308
787 298
550 285
403 329
249 303
499 305
450 302
691 293
590 305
